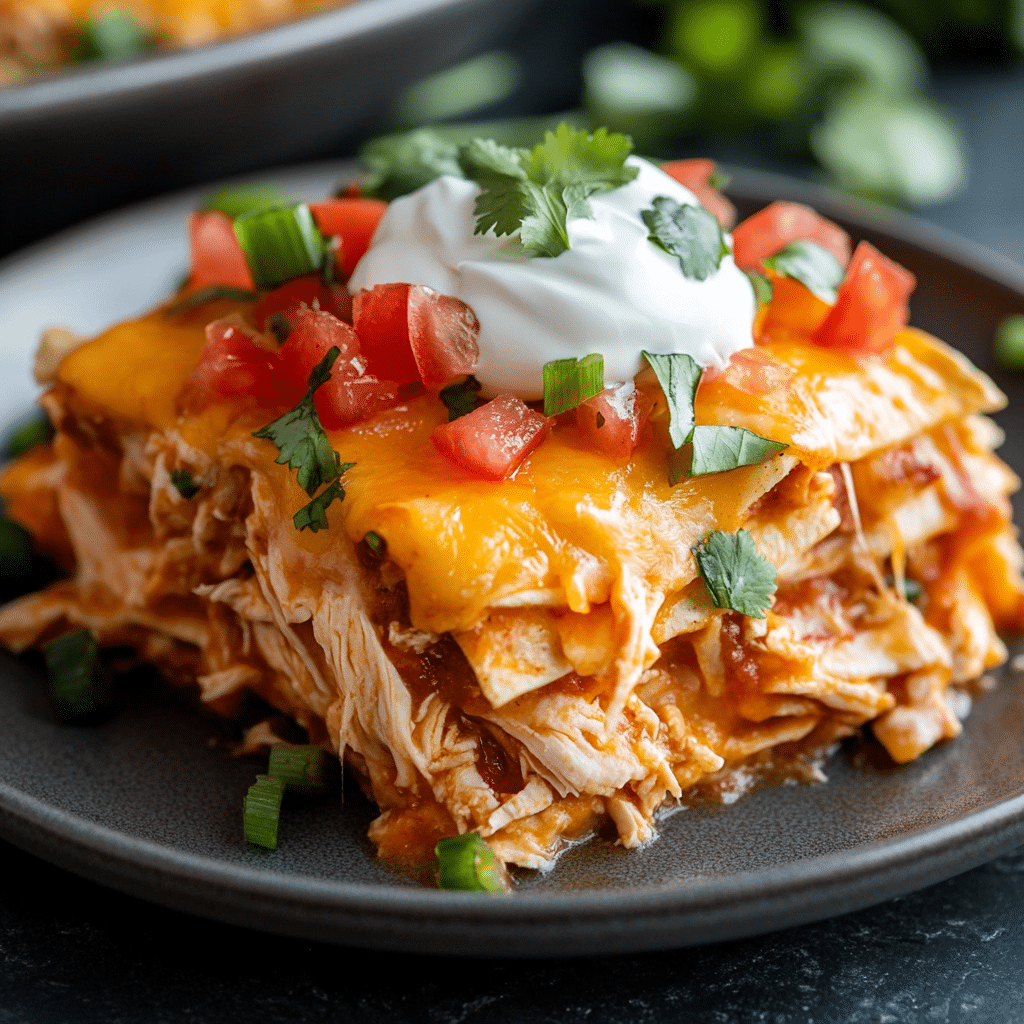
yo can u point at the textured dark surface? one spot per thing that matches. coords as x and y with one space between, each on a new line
73 951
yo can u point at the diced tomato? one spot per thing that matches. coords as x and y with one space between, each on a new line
442 334
610 422
412 333
794 308
696 176
380 316
234 365
353 221
292 298
773 228
493 440
754 371
871 305
342 401
217 257
310 340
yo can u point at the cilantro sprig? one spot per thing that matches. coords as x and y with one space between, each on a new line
399 164
736 574
211 293
460 398
763 290
184 483
678 374
812 265
538 191
716 448
721 448
690 233
303 446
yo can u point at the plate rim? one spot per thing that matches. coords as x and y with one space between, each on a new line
528 924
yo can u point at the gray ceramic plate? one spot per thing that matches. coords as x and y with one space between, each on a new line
144 803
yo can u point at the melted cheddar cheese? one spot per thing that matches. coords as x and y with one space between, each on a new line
536 656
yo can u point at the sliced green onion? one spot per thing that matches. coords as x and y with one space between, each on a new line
303 767
281 244
76 682
237 200
570 382
212 293
261 811
460 398
185 483
376 543
763 290
114 35
15 550
31 434
1010 343
466 862
912 590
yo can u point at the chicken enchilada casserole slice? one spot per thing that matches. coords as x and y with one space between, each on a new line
518 596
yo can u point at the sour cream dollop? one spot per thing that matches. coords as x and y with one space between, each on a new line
613 291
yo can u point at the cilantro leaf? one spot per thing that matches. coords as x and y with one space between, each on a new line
303 445
505 193
184 483
763 289
313 515
399 164
736 575
717 449
689 233
679 466
678 374
211 293
812 265
538 191
300 439
546 231
460 398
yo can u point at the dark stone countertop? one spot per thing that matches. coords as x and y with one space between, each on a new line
74 951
